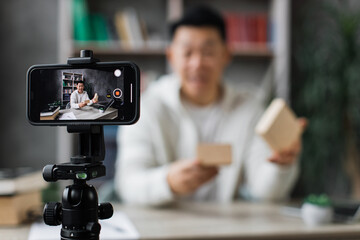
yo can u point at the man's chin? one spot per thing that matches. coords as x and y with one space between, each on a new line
199 86
198 93
197 90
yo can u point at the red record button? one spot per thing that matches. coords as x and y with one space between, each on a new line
117 93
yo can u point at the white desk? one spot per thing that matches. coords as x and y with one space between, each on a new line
208 221
90 113
239 220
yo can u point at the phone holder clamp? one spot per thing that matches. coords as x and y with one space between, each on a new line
86 57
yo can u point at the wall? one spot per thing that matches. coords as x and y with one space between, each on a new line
28 36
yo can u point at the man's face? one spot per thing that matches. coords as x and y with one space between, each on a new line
199 56
80 87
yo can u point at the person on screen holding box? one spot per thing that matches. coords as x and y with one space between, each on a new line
156 161
79 98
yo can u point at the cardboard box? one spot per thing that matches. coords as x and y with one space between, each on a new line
214 154
279 126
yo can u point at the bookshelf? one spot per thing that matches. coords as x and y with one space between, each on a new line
69 85
250 63
158 13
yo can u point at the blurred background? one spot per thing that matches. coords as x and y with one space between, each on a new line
304 51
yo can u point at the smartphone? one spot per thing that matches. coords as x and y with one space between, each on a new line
104 93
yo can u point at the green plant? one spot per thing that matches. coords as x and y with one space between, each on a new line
320 200
326 90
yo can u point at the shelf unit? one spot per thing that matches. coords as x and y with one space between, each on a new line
115 49
69 85
278 12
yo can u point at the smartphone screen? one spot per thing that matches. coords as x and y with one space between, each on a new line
106 93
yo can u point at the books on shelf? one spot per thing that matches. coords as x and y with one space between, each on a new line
50 113
79 77
81 21
16 209
126 28
130 28
20 180
279 126
88 26
247 29
126 31
99 24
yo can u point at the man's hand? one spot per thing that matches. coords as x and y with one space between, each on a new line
289 155
185 176
95 100
82 104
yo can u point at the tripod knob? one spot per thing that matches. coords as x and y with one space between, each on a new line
105 210
52 213
48 173
93 227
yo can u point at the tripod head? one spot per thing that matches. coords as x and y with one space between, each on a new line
79 210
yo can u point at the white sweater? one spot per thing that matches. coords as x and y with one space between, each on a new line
77 98
165 133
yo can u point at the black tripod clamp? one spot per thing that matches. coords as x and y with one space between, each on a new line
87 164
79 211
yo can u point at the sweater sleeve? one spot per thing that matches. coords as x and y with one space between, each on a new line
265 180
140 178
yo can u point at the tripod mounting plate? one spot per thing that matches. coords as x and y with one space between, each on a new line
82 171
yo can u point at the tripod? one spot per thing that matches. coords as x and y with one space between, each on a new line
79 211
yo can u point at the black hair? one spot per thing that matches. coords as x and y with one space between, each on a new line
200 16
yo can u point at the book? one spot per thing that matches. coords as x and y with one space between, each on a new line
49 111
100 27
53 116
134 26
246 29
262 35
111 28
20 180
278 126
81 21
17 209
130 27
211 154
231 28
121 28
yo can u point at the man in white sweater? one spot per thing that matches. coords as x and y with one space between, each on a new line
157 162
79 98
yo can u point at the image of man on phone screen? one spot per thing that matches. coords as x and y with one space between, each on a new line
79 98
